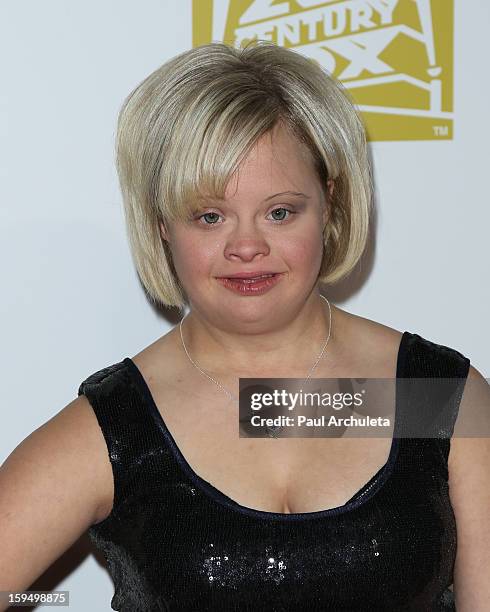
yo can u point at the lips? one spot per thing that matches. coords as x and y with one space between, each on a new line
251 275
251 285
251 279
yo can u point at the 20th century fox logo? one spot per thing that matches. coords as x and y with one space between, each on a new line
394 56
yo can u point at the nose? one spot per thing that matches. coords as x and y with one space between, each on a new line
246 243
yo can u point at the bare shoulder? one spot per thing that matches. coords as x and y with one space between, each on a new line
162 361
374 333
375 344
69 441
473 418
469 489
51 487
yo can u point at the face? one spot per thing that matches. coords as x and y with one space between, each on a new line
272 220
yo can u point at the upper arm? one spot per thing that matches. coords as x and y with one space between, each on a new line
469 489
52 487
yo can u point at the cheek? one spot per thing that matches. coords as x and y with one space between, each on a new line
303 251
194 257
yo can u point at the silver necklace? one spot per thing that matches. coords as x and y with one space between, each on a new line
272 430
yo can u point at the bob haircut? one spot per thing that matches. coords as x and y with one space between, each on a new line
183 131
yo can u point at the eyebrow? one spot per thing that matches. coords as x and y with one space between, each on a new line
206 201
296 193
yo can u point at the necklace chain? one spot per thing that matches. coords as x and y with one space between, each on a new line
271 430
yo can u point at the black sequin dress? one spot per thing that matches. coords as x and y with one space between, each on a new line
174 542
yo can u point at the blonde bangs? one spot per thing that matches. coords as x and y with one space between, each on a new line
222 135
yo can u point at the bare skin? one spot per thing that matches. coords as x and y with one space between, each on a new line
281 475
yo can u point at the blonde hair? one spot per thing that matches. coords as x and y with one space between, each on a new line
183 131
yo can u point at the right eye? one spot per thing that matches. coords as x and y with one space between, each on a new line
214 215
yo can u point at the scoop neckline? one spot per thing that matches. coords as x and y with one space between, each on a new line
368 490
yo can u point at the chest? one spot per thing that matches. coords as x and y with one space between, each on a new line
286 475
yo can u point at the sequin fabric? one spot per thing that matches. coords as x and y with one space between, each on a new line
174 542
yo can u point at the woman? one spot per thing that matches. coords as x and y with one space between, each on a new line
238 164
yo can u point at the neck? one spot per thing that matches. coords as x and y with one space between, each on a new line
289 344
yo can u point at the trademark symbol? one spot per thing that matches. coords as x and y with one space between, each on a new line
440 130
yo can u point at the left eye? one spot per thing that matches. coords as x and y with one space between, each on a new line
286 210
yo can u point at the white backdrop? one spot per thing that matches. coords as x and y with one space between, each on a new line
71 300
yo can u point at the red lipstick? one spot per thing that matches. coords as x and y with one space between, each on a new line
245 284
